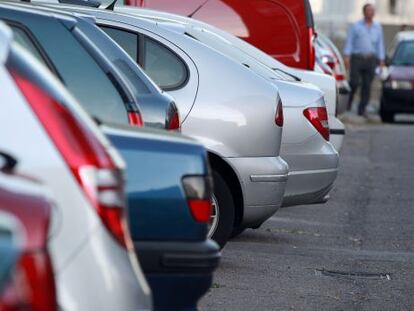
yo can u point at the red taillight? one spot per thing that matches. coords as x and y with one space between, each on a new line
318 117
279 114
198 192
135 118
87 158
312 34
32 286
340 77
35 275
201 209
174 121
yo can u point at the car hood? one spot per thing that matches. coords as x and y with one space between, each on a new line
402 73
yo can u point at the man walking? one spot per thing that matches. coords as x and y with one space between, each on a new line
364 50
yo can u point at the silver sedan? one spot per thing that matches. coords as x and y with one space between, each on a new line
313 161
233 111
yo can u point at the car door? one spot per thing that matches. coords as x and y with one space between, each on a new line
163 61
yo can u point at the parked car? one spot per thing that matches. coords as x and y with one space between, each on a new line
32 282
249 182
284 29
158 108
169 197
169 208
96 83
325 83
313 162
332 63
398 87
56 142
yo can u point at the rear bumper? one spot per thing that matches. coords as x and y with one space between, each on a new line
178 257
179 273
263 181
313 169
397 101
308 187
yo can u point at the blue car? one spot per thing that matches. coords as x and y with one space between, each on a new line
169 189
168 179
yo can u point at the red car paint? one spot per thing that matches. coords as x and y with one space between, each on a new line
283 29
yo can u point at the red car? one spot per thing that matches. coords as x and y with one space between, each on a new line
283 29
32 284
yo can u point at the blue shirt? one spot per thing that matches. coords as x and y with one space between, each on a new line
364 39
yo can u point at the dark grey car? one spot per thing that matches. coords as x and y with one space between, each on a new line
137 92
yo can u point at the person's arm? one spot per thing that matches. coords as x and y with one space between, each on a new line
381 48
349 46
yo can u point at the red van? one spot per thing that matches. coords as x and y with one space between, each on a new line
283 29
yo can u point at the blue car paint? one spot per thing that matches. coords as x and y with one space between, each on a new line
158 208
159 214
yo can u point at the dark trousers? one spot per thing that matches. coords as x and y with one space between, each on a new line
362 73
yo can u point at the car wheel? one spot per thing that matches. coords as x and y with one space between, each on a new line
387 117
221 223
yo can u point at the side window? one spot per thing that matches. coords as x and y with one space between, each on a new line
81 75
127 40
163 66
23 39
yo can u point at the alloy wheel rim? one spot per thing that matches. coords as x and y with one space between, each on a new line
214 218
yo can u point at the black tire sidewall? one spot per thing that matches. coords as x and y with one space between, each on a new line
226 207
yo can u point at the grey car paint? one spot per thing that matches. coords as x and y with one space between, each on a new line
228 108
313 161
156 106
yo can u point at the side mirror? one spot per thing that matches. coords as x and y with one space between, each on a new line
7 163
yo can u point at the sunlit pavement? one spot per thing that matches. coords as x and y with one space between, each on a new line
355 252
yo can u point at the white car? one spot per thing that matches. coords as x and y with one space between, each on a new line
325 83
56 142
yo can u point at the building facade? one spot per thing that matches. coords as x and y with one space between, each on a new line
333 16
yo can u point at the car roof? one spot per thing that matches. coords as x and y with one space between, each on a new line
68 20
405 36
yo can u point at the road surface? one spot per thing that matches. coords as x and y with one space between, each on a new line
355 252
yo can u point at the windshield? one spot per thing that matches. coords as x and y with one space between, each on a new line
405 54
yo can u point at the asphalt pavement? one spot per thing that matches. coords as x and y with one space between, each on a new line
356 252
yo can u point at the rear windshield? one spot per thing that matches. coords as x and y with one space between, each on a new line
79 71
404 55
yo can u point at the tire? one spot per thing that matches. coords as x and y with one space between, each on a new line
226 210
387 117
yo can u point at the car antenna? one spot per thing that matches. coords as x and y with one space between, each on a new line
111 6
197 9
